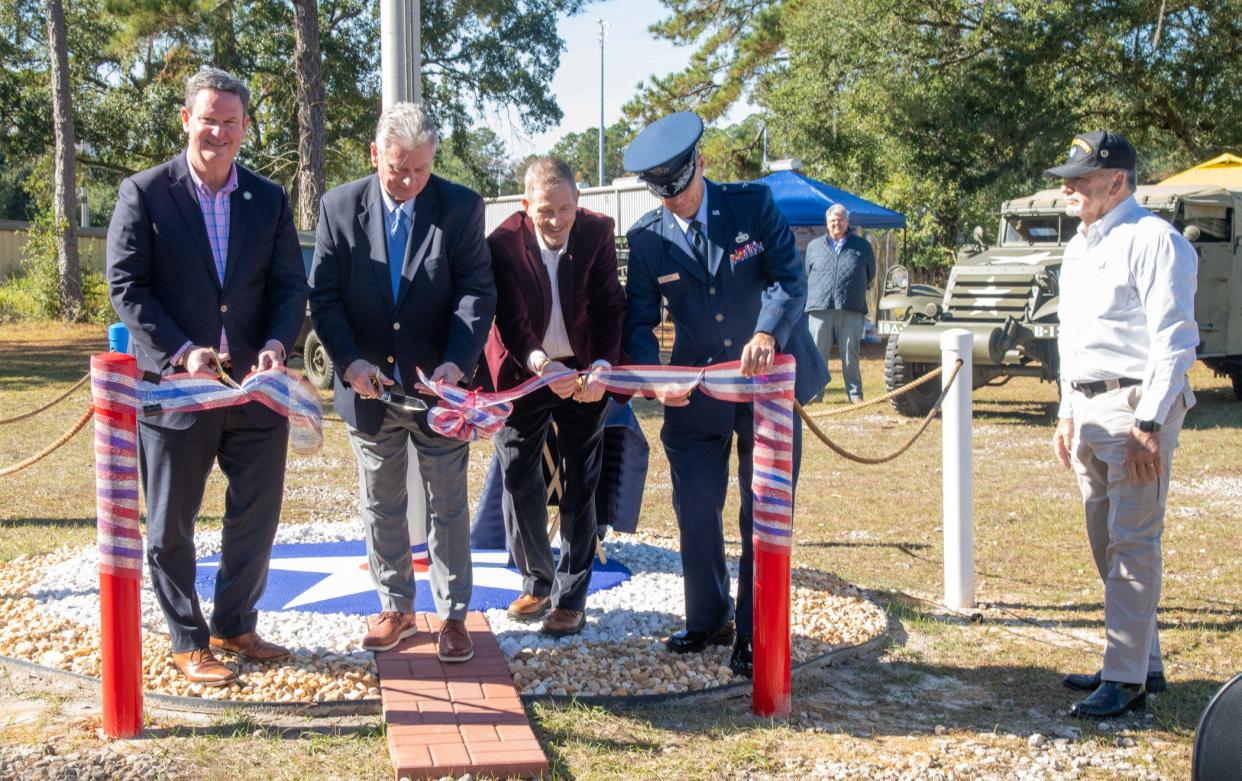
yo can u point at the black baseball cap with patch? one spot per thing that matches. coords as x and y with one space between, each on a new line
1092 151
665 153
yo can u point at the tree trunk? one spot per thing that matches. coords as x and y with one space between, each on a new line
68 268
312 136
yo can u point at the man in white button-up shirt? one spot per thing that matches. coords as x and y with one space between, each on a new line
559 306
1127 339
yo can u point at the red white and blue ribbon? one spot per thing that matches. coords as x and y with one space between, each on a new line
114 385
278 389
472 415
120 396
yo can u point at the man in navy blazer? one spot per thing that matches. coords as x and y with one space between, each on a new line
723 258
402 281
203 261
560 306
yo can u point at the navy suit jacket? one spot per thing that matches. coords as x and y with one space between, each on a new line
592 301
446 297
754 282
163 281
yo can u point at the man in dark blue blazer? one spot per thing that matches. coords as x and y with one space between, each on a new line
724 259
203 261
402 281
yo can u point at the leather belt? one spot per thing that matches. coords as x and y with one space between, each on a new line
1097 387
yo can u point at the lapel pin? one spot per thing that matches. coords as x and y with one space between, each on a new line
246 195
715 212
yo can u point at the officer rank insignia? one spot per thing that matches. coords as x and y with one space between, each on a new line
745 251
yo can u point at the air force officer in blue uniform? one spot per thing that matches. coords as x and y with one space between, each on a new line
724 259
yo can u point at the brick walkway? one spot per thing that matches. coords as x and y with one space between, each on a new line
453 719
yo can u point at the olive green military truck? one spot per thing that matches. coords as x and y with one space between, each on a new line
1006 294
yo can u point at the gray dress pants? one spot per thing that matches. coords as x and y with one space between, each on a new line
382 477
1125 521
844 327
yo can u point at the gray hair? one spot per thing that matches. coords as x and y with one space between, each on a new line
408 124
219 80
549 171
837 208
1131 179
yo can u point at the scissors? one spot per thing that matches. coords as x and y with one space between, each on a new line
402 402
397 400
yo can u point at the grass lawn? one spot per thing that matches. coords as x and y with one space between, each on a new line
991 682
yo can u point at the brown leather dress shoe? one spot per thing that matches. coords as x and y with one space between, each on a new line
201 666
251 647
454 643
563 622
528 607
389 629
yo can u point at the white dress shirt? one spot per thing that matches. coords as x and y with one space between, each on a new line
555 344
1127 308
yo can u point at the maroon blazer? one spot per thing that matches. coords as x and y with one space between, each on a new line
592 301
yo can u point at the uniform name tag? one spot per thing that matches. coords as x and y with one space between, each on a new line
668 278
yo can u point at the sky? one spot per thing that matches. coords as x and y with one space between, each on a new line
631 55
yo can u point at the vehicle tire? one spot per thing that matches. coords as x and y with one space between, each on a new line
1237 384
316 363
898 373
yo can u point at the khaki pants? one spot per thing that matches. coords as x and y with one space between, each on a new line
1125 520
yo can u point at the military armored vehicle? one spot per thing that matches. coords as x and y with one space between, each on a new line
1006 293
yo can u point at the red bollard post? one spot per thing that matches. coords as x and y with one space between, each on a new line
772 545
114 385
772 645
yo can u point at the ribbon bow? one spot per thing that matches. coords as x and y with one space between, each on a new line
473 415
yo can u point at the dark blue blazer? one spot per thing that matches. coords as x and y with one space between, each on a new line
446 298
163 282
754 282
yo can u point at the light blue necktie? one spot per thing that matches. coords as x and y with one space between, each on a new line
397 239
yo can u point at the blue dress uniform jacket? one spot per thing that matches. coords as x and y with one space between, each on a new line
754 282
714 317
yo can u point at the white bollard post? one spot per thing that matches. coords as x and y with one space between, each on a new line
959 534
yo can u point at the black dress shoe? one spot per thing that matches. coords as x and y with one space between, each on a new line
742 662
1111 699
1089 683
690 641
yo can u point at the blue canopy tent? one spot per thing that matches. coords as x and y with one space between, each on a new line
803 201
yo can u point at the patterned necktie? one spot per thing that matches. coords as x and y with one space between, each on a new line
697 243
397 239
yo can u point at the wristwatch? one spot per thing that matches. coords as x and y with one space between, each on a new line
1147 426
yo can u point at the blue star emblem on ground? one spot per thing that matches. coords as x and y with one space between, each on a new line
332 577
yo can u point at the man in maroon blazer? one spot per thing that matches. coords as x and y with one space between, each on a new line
560 305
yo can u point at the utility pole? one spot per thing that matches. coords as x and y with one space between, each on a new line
400 66
603 36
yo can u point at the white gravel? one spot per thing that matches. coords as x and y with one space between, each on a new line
649 604
620 651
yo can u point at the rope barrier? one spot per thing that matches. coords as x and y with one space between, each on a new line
68 435
909 386
882 459
50 404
